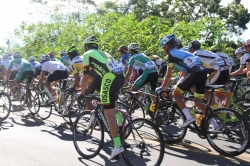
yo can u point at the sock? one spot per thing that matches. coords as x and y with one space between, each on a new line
214 123
117 142
186 113
119 118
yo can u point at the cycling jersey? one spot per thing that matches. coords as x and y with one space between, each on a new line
183 61
101 62
76 64
65 60
6 63
211 60
158 61
125 59
244 59
142 62
225 56
20 64
52 66
35 64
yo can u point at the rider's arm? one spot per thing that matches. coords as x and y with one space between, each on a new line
42 74
128 74
241 70
168 76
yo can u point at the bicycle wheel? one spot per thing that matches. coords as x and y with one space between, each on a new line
170 118
245 95
88 135
241 105
144 145
75 109
45 107
15 96
64 104
231 138
246 115
34 104
5 106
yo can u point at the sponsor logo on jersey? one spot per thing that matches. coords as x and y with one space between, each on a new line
105 90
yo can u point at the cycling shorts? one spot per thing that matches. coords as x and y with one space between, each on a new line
23 75
58 75
111 84
223 77
145 78
197 79
94 85
13 74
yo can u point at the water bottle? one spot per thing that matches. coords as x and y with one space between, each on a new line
199 119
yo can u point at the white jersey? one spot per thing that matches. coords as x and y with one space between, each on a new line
244 59
210 60
52 66
6 63
225 56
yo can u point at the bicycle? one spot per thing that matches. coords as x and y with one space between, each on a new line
90 127
231 125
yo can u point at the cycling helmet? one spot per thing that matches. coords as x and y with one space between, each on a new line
167 39
45 58
178 43
71 49
17 55
6 55
31 58
240 50
246 43
91 40
194 44
134 46
40 56
214 48
123 48
62 53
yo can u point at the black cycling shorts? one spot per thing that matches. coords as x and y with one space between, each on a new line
58 75
223 77
197 79
145 78
24 75
13 74
95 81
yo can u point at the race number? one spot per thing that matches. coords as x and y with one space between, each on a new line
190 62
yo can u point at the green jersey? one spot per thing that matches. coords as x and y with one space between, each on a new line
65 60
20 64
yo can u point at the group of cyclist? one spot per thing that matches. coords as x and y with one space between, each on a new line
98 71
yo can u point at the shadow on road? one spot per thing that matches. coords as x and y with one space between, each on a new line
5 125
201 156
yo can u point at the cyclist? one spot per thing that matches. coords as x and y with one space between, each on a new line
6 59
64 58
52 57
111 73
230 62
160 63
24 69
216 68
149 75
123 52
34 63
57 72
192 73
244 59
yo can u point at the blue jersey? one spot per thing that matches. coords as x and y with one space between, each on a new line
183 60
125 59
35 64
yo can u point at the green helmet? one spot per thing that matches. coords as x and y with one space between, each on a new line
91 40
214 48
71 49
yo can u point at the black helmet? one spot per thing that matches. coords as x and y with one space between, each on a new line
72 52
194 44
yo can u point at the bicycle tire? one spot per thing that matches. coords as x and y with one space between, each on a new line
170 118
76 133
131 157
228 120
34 104
245 95
134 105
45 112
5 106
243 105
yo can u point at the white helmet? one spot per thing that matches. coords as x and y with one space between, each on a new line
45 58
17 55
40 56
133 46
240 50
6 55
31 58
